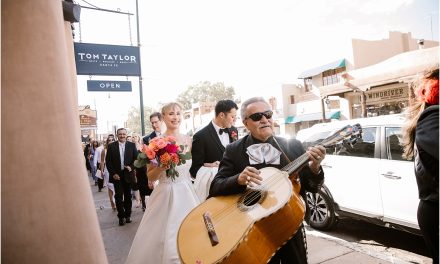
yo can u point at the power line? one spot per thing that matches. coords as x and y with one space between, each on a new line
91 4
103 9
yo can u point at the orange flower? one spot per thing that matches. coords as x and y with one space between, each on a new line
151 154
153 146
165 159
161 143
175 158
170 139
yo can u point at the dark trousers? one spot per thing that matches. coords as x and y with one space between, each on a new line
142 183
100 181
122 196
428 217
294 251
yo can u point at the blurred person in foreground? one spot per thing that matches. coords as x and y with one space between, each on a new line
243 159
420 140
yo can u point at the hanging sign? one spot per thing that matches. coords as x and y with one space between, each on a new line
108 86
99 59
87 118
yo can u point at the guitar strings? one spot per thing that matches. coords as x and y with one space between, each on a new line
274 179
252 194
229 210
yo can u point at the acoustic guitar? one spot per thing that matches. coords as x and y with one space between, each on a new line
251 226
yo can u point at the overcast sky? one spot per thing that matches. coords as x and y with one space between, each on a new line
247 44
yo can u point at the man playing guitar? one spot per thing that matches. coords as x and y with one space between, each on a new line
239 168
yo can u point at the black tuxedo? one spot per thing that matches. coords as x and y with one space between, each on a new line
235 160
147 138
207 147
122 186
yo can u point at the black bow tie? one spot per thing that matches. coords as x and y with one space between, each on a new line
223 130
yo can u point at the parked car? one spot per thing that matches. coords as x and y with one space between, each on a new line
368 180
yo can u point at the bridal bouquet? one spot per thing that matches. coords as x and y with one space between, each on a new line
163 152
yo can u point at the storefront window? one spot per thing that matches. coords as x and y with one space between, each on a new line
384 100
386 108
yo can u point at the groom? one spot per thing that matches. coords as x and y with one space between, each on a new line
210 142
119 160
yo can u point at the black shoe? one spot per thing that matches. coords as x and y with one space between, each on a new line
122 221
143 209
128 220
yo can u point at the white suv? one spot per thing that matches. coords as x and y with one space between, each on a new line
368 180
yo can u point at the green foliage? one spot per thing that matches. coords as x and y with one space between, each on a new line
205 92
141 160
133 122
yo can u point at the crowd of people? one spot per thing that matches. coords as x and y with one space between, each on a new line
223 164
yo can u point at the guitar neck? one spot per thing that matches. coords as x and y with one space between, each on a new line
295 165
341 134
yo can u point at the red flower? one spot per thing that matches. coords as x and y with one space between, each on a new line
171 148
163 152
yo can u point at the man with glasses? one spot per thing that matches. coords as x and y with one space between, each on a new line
156 124
242 160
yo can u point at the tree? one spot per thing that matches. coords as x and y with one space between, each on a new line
205 92
133 122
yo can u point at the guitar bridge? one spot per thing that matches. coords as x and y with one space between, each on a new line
210 228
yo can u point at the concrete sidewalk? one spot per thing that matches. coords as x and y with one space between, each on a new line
322 249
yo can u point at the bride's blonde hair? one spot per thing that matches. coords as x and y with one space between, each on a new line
167 107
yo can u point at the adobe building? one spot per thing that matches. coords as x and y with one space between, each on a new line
373 79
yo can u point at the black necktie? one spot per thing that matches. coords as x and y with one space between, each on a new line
223 130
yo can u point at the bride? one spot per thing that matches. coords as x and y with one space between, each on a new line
156 238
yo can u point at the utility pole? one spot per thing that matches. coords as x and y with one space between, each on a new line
141 97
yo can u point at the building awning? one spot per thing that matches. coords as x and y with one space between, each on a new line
402 67
313 116
318 70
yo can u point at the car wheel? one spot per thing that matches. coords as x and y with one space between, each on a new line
321 208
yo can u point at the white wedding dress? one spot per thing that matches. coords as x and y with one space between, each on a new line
156 238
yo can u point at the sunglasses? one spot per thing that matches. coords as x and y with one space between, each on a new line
258 116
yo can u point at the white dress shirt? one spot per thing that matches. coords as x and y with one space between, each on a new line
121 153
224 137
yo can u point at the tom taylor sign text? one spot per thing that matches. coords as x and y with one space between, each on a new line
99 59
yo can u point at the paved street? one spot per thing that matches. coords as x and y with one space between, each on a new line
323 249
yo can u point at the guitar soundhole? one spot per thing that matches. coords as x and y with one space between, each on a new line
250 199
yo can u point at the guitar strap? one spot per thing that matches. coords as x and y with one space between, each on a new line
282 151
285 156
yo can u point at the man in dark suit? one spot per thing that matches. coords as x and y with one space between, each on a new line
210 142
243 159
119 160
156 123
